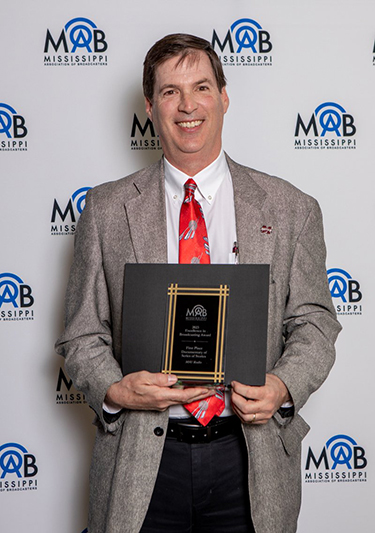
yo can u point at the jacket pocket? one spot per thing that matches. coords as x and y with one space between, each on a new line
292 434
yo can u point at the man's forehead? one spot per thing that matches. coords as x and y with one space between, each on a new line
194 61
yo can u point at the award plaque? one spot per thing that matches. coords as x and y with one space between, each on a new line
194 347
204 323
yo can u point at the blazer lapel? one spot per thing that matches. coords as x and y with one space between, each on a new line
256 227
146 215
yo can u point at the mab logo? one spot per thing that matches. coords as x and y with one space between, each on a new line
12 126
341 459
82 33
80 36
63 393
198 310
143 135
69 213
330 126
245 43
18 468
16 300
346 290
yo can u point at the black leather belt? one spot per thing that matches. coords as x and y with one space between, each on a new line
188 431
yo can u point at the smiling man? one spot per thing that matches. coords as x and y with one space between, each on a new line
236 467
187 108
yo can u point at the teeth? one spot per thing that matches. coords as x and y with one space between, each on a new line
192 124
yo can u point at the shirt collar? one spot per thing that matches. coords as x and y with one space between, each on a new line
208 180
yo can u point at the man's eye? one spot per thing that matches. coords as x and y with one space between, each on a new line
203 88
167 93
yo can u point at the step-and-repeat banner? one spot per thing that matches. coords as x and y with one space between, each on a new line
301 79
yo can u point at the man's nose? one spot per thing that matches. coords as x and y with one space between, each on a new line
187 103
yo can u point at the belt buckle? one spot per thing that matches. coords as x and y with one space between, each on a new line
195 434
198 434
208 433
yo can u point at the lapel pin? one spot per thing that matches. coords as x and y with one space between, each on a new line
266 230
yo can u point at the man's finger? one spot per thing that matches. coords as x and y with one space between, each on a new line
161 380
190 394
247 391
242 404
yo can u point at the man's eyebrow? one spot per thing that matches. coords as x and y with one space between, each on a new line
205 80
168 86
174 86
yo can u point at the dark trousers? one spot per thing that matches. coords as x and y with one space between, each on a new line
201 488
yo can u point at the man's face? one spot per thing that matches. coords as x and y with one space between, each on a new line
187 110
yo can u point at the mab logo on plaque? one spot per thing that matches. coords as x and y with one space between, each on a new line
143 135
345 292
65 215
79 43
18 468
198 312
245 44
66 393
340 460
13 130
329 127
16 299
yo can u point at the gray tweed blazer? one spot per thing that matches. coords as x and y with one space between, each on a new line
125 221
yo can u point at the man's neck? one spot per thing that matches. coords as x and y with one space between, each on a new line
191 164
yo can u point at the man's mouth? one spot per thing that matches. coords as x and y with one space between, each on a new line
191 124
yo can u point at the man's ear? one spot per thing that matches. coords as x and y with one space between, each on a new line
148 106
225 99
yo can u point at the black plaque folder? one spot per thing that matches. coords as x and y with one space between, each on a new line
204 323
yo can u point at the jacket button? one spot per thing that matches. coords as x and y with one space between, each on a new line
159 431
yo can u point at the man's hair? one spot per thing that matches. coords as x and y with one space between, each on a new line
183 45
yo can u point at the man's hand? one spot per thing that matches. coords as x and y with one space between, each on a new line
146 391
256 405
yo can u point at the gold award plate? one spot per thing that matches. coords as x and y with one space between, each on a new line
195 333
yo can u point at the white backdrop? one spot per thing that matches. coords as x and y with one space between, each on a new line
66 121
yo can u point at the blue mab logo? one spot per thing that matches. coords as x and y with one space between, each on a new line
65 392
16 299
329 127
65 216
246 43
13 130
18 468
345 291
79 43
341 459
143 135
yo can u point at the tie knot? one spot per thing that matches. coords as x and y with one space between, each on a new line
190 187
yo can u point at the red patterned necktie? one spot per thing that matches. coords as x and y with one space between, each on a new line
194 249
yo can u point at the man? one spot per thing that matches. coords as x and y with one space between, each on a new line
143 478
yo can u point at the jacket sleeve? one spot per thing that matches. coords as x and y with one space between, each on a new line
86 342
310 327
